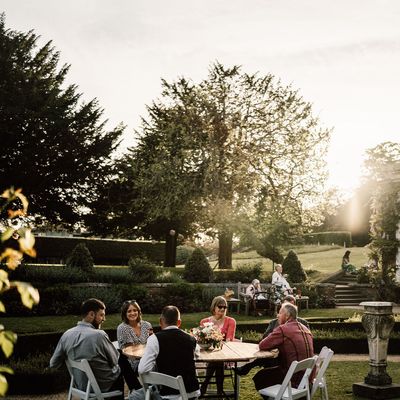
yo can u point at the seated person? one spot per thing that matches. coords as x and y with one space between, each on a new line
227 326
281 284
265 362
253 293
132 331
346 266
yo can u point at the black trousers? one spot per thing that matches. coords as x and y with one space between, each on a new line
130 376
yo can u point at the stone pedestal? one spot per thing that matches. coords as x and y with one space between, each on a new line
378 322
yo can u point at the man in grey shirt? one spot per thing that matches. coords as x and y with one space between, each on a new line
88 341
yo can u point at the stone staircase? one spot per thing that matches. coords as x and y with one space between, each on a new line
345 293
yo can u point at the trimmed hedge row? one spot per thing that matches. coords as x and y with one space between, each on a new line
104 251
336 237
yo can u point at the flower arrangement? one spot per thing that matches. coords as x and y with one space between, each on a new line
208 336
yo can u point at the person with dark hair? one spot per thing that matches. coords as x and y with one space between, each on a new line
346 265
294 342
132 331
172 352
88 341
269 362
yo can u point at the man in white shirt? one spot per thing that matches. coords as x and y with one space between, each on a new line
170 351
280 281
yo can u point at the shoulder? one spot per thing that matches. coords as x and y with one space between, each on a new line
205 320
231 320
146 324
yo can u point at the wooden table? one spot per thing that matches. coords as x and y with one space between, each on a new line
235 352
232 352
300 300
234 302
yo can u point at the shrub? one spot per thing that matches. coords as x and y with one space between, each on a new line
197 268
142 270
183 253
187 297
80 259
248 272
292 266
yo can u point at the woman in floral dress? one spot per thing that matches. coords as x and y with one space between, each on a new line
132 331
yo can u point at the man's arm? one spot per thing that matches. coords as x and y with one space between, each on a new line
148 361
58 357
273 340
271 326
109 351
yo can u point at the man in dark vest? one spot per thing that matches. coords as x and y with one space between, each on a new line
170 351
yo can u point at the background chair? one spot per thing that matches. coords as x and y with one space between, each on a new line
92 389
156 378
324 358
284 390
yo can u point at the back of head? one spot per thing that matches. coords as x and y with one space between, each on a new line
289 299
291 310
170 315
91 305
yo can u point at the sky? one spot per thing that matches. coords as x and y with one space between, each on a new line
342 55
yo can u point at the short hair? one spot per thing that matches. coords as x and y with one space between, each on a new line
290 309
91 305
170 315
277 265
289 299
215 301
125 307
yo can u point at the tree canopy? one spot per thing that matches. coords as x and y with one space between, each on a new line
231 149
54 145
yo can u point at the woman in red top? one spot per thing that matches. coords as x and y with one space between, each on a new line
227 326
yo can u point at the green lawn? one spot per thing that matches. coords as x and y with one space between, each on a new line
62 323
340 377
323 259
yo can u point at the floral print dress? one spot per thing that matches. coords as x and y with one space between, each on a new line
126 336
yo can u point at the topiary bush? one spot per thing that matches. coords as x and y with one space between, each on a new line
292 266
197 268
81 259
183 253
142 270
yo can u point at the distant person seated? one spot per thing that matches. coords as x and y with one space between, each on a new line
253 293
281 284
346 266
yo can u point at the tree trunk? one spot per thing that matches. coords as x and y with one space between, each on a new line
225 250
170 249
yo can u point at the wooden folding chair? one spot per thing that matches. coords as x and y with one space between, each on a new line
284 390
92 388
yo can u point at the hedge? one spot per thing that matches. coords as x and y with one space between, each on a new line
55 249
335 237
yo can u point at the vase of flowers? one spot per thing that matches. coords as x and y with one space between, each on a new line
208 336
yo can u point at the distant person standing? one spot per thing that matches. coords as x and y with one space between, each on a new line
346 265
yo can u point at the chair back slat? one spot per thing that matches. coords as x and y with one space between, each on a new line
324 358
157 378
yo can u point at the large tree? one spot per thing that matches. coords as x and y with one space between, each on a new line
53 145
211 154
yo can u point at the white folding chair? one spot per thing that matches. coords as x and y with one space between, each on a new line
92 389
323 360
116 344
285 391
156 378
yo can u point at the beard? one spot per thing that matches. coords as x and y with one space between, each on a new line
97 325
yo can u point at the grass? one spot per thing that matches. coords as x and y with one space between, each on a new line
322 260
340 378
62 323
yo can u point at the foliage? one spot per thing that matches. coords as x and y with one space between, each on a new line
53 145
338 237
142 269
183 253
292 266
197 268
15 241
81 259
104 251
383 165
232 145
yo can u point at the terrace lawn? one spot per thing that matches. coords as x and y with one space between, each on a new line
62 323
